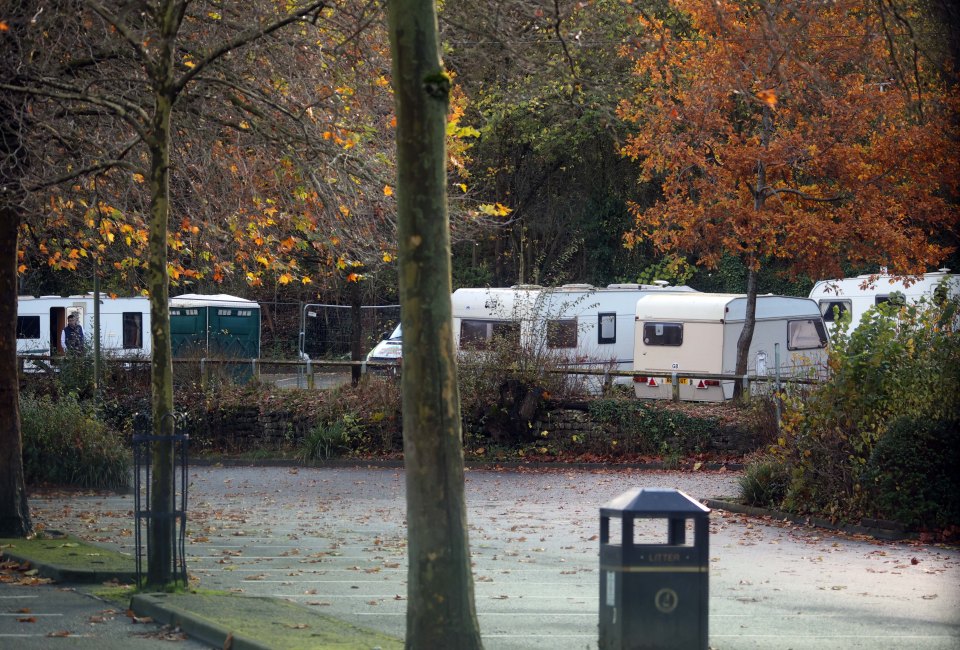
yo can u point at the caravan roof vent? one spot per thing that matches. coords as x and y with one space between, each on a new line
577 287
661 283
625 285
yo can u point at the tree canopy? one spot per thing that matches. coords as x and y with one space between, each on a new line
792 131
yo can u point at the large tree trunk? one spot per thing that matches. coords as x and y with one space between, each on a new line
161 531
14 510
440 604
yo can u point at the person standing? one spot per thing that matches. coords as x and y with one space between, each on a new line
71 338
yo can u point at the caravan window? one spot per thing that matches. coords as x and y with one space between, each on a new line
663 333
896 298
561 334
132 330
830 307
806 334
477 334
28 327
607 327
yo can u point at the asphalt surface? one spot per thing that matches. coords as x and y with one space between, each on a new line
334 540
42 616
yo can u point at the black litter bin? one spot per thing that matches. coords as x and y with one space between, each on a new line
654 593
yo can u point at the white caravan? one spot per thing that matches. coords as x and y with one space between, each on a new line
584 326
856 295
698 332
124 324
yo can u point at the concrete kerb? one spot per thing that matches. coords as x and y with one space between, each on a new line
889 531
256 623
160 609
74 575
249 623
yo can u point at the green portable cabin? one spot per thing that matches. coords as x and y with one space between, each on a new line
214 326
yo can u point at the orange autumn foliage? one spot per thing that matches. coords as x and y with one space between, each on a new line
782 131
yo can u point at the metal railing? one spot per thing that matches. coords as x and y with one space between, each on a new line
145 517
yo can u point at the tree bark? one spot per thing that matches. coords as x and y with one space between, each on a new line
14 509
161 530
440 606
356 331
750 317
746 335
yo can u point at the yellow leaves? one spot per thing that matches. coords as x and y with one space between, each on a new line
285 278
463 187
138 178
22 268
387 257
305 280
189 63
353 277
341 263
213 15
495 210
382 81
262 259
454 130
768 97
387 190
344 210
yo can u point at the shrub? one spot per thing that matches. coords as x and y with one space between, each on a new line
764 482
911 475
63 444
902 361
647 429
330 439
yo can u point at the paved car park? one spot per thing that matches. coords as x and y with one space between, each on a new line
334 539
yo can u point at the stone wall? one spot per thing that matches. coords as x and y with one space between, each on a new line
239 429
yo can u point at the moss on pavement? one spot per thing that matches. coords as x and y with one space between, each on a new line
66 557
264 622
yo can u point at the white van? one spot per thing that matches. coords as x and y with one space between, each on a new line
855 296
698 332
389 349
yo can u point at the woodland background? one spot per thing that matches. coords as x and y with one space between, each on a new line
282 160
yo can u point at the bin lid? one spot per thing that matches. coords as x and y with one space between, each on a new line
653 502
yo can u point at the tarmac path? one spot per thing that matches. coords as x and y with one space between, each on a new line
335 539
